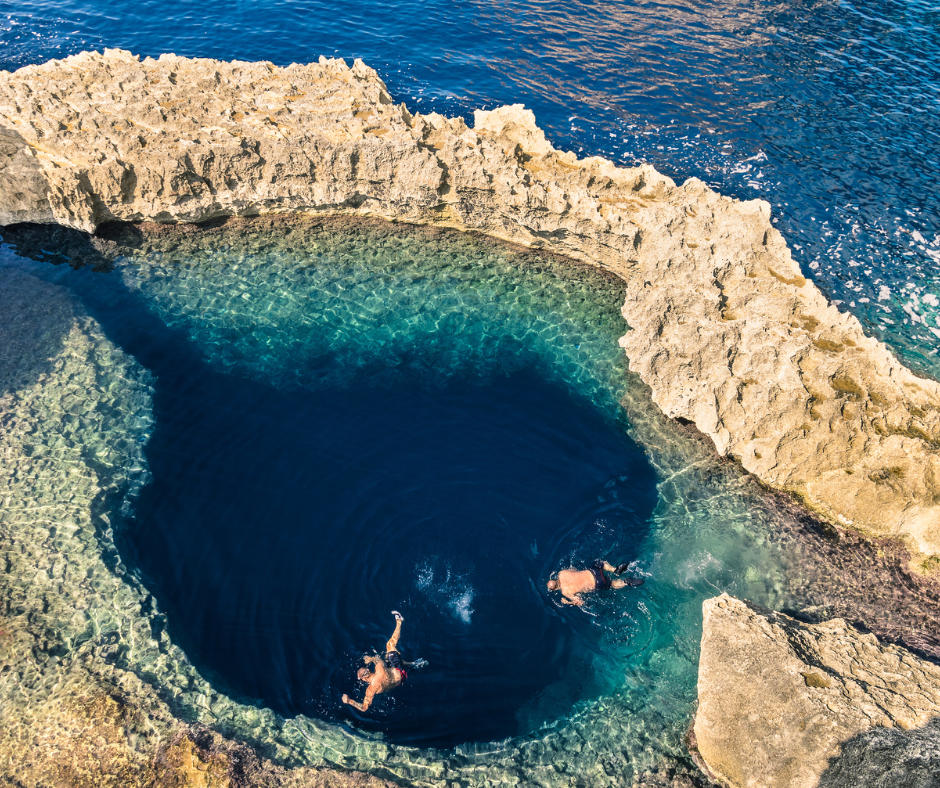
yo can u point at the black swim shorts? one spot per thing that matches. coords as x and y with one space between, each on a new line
601 581
393 660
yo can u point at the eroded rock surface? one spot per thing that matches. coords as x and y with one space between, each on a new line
783 703
724 329
75 640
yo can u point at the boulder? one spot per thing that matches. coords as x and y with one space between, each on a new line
783 704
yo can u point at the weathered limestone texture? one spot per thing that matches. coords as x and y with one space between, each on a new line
724 329
779 701
75 412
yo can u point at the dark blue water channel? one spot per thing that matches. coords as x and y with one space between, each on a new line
282 524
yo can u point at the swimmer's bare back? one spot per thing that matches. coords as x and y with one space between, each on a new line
574 582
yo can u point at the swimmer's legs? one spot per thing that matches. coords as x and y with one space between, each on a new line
633 582
392 644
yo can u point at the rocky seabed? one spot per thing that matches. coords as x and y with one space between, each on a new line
724 332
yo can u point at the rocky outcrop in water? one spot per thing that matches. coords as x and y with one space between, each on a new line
724 328
789 705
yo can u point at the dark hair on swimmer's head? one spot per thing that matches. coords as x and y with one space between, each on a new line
552 585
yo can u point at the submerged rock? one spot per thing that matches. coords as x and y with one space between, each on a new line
79 654
786 704
724 329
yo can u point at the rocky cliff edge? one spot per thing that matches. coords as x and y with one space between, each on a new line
784 704
724 329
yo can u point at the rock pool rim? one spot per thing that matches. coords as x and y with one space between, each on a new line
459 762
850 430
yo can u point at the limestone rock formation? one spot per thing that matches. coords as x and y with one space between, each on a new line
783 704
724 329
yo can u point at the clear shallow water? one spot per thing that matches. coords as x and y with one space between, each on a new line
828 110
275 566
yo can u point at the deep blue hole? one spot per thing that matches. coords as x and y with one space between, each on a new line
280 529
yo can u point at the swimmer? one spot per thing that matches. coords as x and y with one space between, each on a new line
574 582
388 672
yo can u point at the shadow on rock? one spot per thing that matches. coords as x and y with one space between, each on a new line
23 185
53 243
888 758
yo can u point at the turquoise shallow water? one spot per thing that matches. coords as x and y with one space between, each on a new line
274 314
827 110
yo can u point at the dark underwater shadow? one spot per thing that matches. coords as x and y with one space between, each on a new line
888 758
35 319
53 243
36 316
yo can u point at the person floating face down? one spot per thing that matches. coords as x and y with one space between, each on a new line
573 582
388 670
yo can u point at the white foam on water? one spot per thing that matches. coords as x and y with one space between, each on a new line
461 605
425 576
453 592
697 568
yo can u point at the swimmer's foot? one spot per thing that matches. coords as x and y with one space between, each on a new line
420 662
398 616
634 581
621 569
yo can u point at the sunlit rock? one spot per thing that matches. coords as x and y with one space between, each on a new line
781 701
724 329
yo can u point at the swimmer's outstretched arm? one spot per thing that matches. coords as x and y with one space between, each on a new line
366 701
571 600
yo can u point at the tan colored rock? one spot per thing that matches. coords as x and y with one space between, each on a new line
99 731
778 699
724 329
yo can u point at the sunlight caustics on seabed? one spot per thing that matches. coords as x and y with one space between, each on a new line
393 322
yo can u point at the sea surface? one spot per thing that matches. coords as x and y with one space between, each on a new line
828 110
357 420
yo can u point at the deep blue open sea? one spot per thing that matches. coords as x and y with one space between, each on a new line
436 432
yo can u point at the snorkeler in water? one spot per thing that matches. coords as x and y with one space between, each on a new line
387 671
574 582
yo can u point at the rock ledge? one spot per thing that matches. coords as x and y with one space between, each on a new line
724 329
780 700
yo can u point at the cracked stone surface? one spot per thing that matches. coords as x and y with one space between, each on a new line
723 327
784 704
